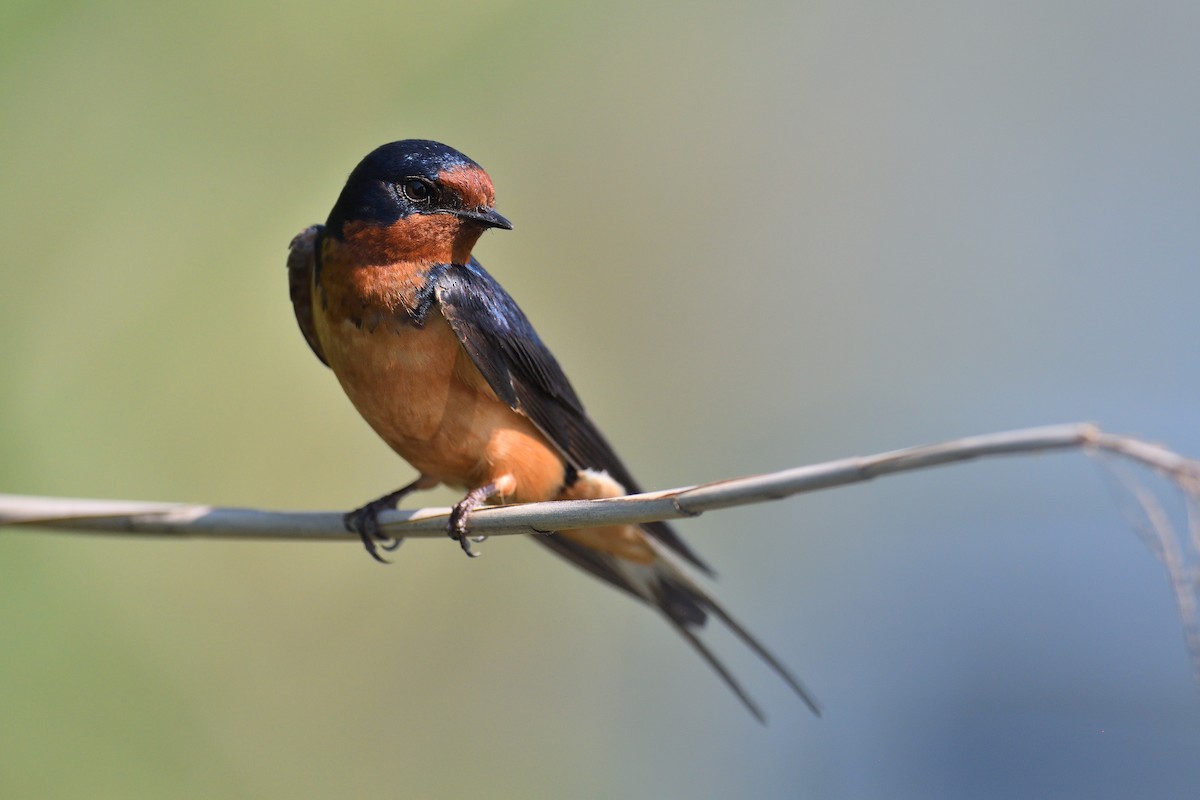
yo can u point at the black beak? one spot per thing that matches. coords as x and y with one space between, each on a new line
487 217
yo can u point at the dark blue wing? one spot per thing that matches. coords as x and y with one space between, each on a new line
301 263
524 373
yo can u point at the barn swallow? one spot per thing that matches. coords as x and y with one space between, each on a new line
447 369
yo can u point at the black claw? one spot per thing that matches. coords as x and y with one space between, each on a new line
459 528
365 521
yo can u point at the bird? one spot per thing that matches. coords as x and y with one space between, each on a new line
446 368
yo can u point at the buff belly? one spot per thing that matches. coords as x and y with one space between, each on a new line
418 389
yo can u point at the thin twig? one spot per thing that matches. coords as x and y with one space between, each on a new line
1177 551
183 520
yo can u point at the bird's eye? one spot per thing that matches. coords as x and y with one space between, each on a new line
417 190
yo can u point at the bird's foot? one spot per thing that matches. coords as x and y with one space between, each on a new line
459 527
365 520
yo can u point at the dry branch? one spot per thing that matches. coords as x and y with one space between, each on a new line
1178 551
183 520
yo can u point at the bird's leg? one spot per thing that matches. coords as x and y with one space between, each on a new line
365 520
459 527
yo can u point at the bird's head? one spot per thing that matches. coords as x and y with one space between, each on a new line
415 200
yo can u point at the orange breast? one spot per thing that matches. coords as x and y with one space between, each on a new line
420 391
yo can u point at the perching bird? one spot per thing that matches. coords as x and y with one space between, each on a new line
445 367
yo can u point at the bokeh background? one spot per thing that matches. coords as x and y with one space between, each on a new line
759 234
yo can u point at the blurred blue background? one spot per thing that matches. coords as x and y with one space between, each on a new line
758 235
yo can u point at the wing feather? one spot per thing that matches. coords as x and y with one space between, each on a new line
301 264
524 373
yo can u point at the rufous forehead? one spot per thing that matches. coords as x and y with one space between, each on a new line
471 183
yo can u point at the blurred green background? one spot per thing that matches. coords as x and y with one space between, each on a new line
758 234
